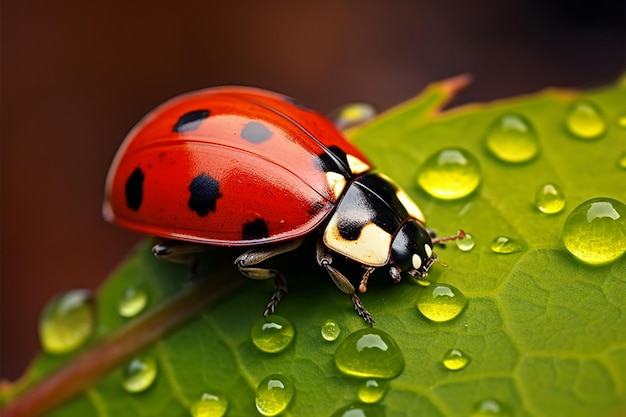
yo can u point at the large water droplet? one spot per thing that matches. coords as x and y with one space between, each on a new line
360 410
133 301
352 114
272 334
467 243
441 302
512 138
274 394
549 199
585 121
139 374
455 359
209 405
489 408
595 231
450 174
369 353
372 390
67 321
505 245
330 330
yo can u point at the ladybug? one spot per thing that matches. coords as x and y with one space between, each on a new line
245 167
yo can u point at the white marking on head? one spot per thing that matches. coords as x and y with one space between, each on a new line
429 250
416 261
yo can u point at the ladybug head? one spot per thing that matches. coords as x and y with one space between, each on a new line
412 249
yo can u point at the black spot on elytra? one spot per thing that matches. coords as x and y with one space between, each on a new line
190 121
134 189
349 229
255 132
256 229
331 160
205 191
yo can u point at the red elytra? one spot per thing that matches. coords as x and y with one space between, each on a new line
260 163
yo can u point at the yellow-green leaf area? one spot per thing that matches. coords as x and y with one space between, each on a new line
545 332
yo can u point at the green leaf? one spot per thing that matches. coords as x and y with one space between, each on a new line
545 333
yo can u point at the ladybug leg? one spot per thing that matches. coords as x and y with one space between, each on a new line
246 264
180 252
325 260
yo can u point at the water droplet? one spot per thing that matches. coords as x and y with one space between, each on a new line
621 120
352 114
441 302
360 410
489 408
505 245
272 334
585 121
274 394
134 300
67 321
595 231
139 374
330 330
450 174
369 353
372 390
621 162
467 243
455 360
512 138
549 199
209 405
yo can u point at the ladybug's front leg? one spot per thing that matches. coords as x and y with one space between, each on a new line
325 259
180 252
247 261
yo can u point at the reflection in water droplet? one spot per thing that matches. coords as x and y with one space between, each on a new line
441 302
360 410
505 245
595 231
352 114
585 121
455 359
133 301
372 390
369 353
512 138
139 374
67 321
489 408
330 330
209 405
549 199
272 334
274 394
450 174
467 243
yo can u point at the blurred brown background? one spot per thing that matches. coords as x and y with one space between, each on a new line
77 75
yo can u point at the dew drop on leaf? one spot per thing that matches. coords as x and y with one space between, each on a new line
441 302
450 174
133 301
139 374
621 162
372 390
360 410
352 114
595 231
467 243
274 394
549 199
505 245
330 330
455 359
369 353
585 121
272 334
489 408
512 138
67 321
209 405
621 120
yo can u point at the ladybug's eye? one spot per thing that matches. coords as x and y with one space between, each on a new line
411 248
